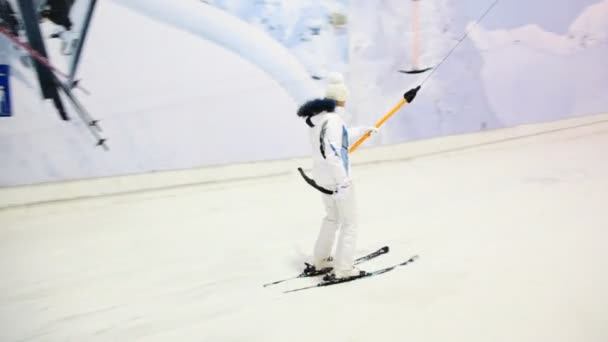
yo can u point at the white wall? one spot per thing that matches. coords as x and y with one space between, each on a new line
175 94
524 63
166 100
231 175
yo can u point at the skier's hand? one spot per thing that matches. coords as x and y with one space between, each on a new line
411 94
372 130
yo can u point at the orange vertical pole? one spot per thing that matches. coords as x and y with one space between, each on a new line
415 28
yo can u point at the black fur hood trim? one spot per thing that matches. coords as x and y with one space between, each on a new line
317 106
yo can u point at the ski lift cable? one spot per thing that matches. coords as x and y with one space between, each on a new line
466 34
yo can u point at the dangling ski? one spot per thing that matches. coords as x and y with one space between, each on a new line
333 281
310 271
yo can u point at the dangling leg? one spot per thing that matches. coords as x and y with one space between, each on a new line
327 234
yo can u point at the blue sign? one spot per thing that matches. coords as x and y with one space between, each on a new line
5 91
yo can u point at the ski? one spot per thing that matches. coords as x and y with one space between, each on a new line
326 270
345 280
79 48
40 58
82 112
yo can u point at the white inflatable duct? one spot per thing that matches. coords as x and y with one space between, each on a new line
235 35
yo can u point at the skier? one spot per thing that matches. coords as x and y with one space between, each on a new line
330 140
58 11
8 18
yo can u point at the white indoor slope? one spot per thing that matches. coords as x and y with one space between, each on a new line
511 237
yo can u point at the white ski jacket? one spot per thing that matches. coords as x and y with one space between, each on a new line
330 140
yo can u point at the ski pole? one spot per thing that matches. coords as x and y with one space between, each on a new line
407 98
40 58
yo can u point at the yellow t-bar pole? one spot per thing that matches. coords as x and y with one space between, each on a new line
407 98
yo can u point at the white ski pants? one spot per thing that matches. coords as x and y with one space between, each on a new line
340 220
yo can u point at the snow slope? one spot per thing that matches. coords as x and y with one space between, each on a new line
511 238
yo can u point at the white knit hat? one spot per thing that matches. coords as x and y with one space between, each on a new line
336 89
